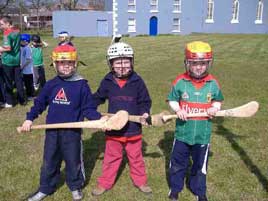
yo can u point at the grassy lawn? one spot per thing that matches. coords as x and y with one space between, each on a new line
238 168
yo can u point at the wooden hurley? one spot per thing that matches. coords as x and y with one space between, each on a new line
116 122
154 120
246 110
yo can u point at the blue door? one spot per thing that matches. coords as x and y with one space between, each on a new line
153 26
102 27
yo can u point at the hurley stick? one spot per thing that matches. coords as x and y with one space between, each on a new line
154 120
246 110
116 122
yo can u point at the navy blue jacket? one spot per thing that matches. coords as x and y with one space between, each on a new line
132 97
67 101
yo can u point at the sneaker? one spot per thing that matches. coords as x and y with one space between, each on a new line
201 198
37 196
98 191
173 196
6 105
145 189
77 195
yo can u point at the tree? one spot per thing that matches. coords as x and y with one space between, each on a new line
37 5
4 4
69 4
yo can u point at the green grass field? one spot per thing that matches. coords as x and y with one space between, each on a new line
238 164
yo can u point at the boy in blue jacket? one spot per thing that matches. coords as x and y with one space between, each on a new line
125 90
69 99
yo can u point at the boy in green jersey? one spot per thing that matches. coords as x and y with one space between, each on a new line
194 91
39 75
10 51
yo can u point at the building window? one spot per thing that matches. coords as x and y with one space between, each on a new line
131 5
235 13
176 6
176 25
154 5
259 12
131 25
210 12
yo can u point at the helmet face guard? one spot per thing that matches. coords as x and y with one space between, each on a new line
120 50
64 53
198 51
123 71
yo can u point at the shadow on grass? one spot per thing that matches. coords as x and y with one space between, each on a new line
231 138
165 145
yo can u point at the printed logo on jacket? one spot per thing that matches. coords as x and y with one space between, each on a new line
61 98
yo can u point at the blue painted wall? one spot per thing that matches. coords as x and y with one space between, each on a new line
108 5
192 18
80 23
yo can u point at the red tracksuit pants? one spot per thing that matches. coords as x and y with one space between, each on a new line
113 157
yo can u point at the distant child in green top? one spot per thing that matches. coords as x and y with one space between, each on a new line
194 91
10 51
38 63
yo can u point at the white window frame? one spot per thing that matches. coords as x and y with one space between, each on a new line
131 6
235 12
131 25
176 25
176 6
153 6
259 12
210 12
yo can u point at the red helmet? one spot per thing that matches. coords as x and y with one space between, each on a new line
64 53
198 51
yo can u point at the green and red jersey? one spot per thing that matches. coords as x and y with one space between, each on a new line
194 97
11 41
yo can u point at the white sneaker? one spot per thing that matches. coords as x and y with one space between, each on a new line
6 105
77 195
37 196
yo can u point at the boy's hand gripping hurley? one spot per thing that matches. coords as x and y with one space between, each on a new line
246 110
116 122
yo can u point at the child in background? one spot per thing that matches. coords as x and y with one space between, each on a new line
11 63
26 65
64 38
125 90
69 99
194 91
2 85
38 63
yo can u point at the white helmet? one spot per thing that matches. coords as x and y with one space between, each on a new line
119 49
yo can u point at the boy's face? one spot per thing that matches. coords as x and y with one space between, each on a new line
23 42
122 67
65 68
62 38
3 25
198 68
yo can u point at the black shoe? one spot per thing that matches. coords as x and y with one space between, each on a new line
173 196
23 103
202 198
